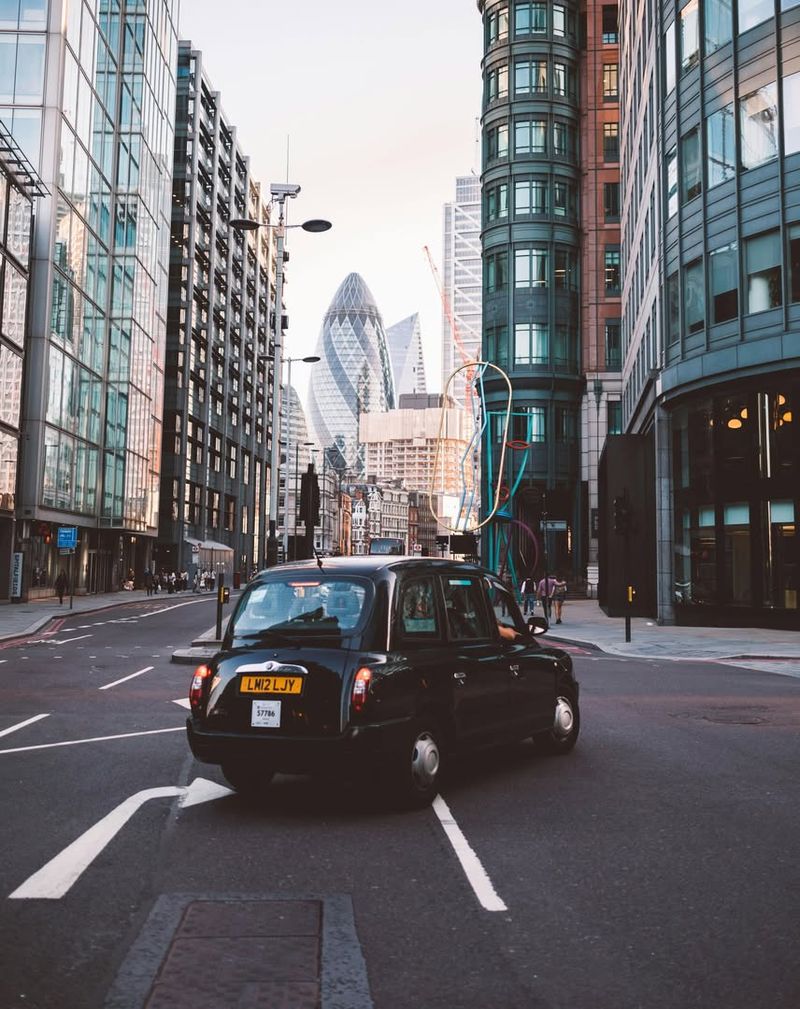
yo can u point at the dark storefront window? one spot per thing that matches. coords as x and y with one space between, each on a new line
736 493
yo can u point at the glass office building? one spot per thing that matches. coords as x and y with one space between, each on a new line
354 375
88 91
20 186
710 138
217 425
531 282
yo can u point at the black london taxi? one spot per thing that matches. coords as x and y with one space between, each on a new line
378 666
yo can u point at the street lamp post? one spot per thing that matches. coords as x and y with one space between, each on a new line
280 192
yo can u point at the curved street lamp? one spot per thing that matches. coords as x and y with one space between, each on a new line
279 192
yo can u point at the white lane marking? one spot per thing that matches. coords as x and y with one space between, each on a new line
474 871
2 661
166 609
94 739
183 701
21 725
82 627
68 641
124 679
55 878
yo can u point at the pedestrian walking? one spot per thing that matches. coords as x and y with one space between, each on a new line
559 595
544 592
61 585
148 581
528 592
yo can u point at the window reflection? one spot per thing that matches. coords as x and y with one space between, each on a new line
781 555
758 116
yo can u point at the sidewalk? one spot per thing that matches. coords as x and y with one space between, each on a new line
585 623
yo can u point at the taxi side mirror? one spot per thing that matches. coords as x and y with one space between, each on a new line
537 625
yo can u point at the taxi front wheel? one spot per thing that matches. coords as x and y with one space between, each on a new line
563 735
247 778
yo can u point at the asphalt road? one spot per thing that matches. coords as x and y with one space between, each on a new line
657 866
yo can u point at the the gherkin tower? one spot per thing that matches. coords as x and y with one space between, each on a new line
354 375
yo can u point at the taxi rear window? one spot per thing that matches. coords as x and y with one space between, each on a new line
302 605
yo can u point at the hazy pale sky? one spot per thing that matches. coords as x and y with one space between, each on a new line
379 101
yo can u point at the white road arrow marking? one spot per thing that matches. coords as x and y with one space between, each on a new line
184 702
55 878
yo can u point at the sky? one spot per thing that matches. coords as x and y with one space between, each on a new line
378 104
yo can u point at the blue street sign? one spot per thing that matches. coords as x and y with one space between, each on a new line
67 537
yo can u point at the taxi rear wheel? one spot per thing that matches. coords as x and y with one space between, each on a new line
419 765
247 778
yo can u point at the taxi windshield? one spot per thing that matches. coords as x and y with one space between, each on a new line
301 605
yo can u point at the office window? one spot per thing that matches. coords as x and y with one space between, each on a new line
673 309
497 202
694 302
611 201
610 30
724 269
614 416
562 140
497 26
530 77
530 19
563 199
530 267
721 146
753 12
530 196
497 83
692 167
497 272
530 136
718 18
669 59
565 272
672 183
613 272
531 340
497 142
758 122
610 82
763 265
791 113
562 22
613 344
794 263
610 141
690 36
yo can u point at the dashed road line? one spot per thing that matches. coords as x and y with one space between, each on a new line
21 725
476 875
125 679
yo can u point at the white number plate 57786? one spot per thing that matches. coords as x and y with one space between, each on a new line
266 714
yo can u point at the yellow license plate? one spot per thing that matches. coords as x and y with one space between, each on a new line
271 685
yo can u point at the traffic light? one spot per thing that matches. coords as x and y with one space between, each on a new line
621 515
309 499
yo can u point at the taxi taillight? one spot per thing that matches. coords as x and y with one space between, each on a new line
197 691
361 683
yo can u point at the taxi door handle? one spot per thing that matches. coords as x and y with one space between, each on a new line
460 678
515 672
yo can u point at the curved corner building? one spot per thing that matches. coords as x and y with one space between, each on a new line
354 375
531 258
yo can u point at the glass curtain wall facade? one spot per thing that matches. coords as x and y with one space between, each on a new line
461 281
353 376
93 106
726 348
19 187
531 282
217 433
